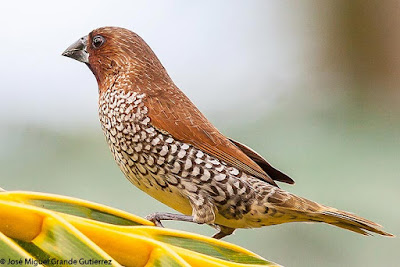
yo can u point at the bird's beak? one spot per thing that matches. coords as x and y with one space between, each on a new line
78 51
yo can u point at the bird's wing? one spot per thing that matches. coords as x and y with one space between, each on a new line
275 174
175 114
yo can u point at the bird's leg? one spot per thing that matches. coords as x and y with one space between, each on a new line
223 231
157 217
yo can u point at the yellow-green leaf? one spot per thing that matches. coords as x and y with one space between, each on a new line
57 230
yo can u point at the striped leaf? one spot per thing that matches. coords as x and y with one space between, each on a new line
51 230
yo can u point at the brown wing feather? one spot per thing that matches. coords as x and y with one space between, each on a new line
174 113
275 174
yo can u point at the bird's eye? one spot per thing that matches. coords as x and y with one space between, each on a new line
98 41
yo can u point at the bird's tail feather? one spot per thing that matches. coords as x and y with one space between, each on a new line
297 209
350 222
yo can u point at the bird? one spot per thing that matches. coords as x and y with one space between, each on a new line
167 148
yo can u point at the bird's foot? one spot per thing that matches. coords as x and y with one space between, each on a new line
157 217
223 231
154 218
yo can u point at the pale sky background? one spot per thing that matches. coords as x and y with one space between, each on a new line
225 55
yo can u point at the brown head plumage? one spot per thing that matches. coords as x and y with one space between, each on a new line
113 51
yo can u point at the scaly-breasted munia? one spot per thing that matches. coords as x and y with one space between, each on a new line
166 147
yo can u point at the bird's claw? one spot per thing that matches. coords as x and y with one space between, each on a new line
223 231
155 218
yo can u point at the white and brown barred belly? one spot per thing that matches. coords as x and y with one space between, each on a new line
180 175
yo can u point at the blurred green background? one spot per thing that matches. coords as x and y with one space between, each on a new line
312 86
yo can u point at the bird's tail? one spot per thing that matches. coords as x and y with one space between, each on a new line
350 222
293 208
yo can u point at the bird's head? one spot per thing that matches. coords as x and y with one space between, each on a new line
113 51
